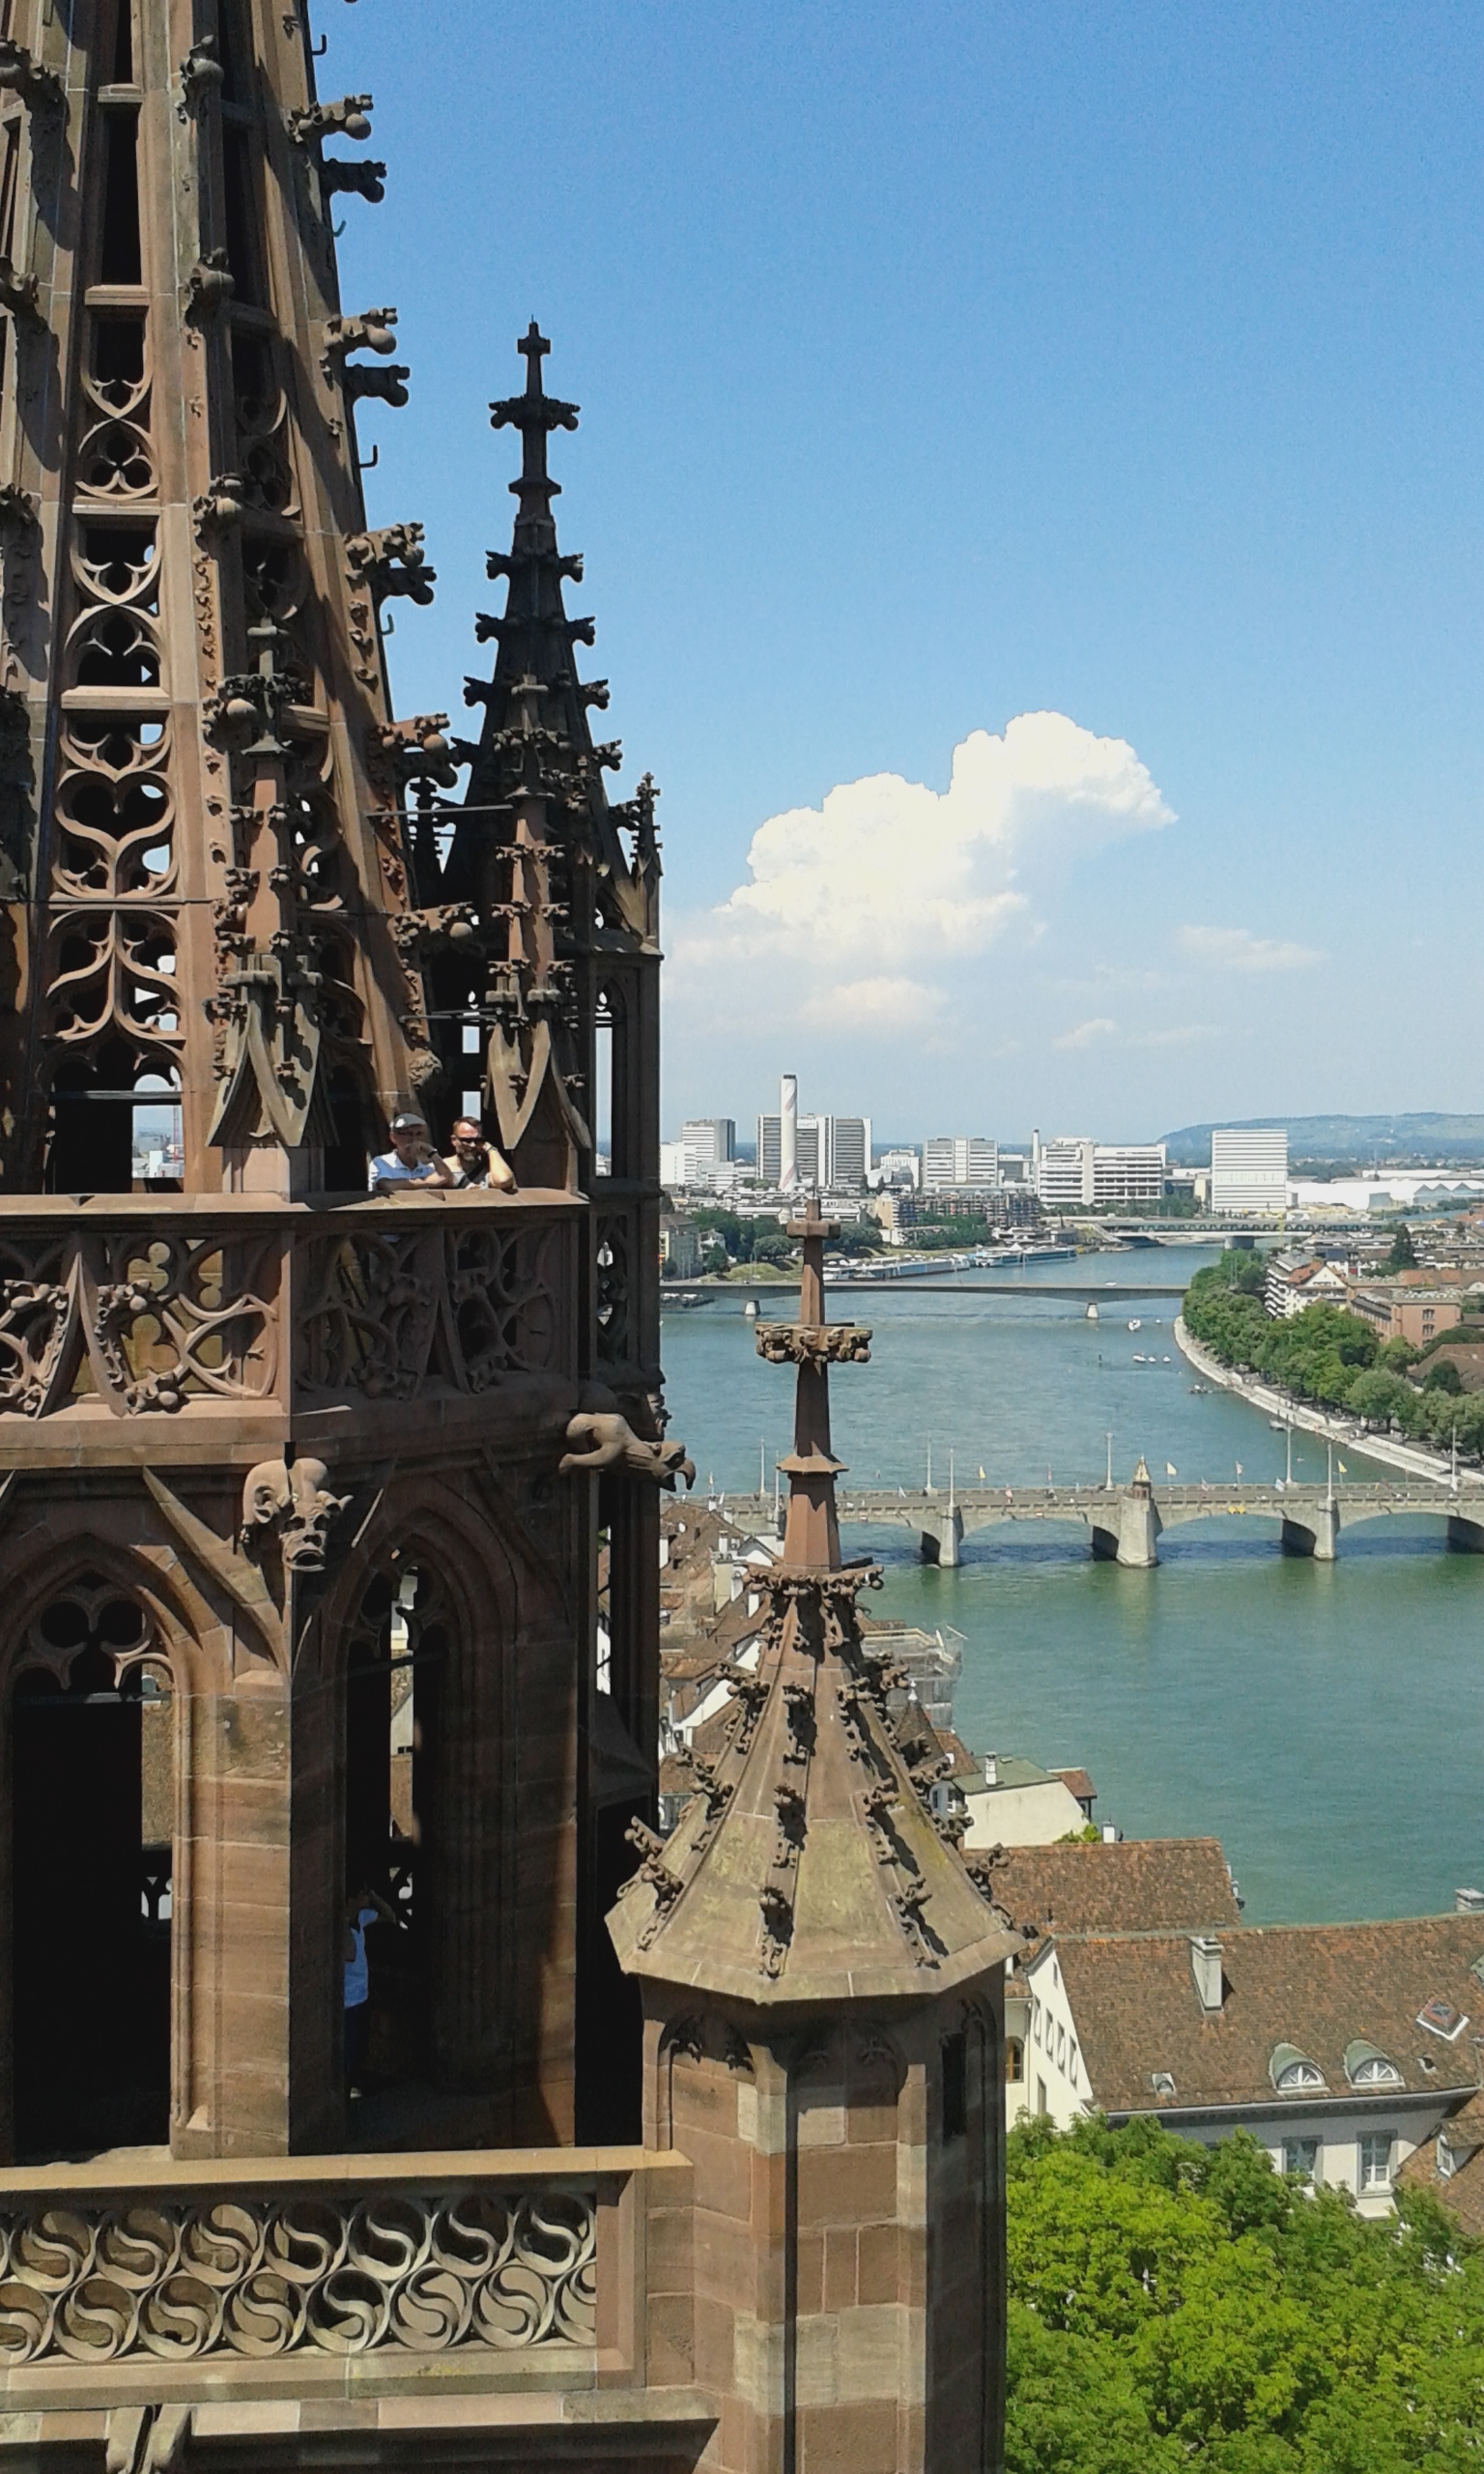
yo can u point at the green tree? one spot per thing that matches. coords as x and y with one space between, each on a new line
1402 1256
1443 1375
1396 1355
1173 2306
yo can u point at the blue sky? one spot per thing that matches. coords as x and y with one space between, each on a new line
942 365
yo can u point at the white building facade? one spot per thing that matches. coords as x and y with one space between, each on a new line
1249 1172
960 1162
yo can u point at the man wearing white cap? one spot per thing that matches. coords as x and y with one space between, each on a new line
411 1159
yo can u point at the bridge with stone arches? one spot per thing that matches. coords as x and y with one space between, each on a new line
1124 1524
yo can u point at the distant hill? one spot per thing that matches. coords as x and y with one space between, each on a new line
1423 1137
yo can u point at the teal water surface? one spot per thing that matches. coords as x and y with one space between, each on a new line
1325 1721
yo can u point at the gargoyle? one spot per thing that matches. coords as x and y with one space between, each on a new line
611 1443
339 174
389 386
371 332
293 1497
350 117
391 563
39 89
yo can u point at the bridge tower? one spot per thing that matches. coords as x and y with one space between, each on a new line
823 1998
295 1600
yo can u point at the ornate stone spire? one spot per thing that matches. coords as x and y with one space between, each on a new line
203 890
536 876
810 1867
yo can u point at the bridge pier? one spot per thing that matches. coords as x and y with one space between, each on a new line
1139 1523
1464 1537
943 1543
1319 1536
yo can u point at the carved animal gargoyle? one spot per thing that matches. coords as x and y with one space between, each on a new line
291 1498
611 1443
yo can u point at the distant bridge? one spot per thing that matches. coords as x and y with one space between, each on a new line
1124 1525
1090 1292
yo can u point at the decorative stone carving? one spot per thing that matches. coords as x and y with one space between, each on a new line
814 1344
350 117
202 76
254 2277
609 1441
387 385
292 1499
339 176
371 332
40 89
391 1314
20 294
210 285
391 563
220 507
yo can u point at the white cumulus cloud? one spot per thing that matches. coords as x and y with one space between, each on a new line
1238 949
849 908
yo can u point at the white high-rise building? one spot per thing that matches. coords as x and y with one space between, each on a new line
1249 1169
967 1161
1077 1173
841 1152
788 1132
832 1153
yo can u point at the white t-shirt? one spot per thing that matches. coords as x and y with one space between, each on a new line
357 1970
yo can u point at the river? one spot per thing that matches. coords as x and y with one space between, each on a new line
1324 1721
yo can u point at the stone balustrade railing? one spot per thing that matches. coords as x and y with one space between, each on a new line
148 1307
308 2263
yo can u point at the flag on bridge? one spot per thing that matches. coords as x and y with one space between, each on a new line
1340 1465
981 1477
1170 1469
1239 1467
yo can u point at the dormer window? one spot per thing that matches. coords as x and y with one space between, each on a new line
1163 2085
1293 2073
1366 2066
1440 2019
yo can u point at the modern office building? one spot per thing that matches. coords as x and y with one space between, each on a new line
1076 1173
960 1161
1249 1169
832 1153
713 1139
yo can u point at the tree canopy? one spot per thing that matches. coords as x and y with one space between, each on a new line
1327 1355
1402 1256
1178 2306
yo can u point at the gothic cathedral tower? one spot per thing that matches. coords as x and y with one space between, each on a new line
296 1599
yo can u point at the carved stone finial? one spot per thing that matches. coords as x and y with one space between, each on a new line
220 507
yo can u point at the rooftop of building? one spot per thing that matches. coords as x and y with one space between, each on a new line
1310 2013
1124 1886
1451 2166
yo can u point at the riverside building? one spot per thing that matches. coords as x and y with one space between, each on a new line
965 1163
1074 1174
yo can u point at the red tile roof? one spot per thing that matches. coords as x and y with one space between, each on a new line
1320 1988
1130 1886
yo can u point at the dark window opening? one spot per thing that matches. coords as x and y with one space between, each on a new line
95 1100
118 359
117 557
123 44
238 188
118 652
91 1902
120 259
393 1693
230 52
955 2085
347 1157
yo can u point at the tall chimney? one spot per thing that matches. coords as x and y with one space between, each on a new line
1205 1968
788 1132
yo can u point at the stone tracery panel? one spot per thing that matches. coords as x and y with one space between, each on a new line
257 2277
382 1314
